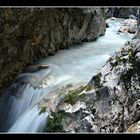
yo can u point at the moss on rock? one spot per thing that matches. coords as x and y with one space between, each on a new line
42 110
71 97
54 122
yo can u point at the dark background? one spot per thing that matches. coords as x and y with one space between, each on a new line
23 3
69 3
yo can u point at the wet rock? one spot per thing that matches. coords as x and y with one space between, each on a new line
35 68
107 25
129 25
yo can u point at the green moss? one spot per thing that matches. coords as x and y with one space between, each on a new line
71 97
82 95
54 122
82 88
88 87
42 110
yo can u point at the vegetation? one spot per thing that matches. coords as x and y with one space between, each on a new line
42 110
74 95
126 77
54 122
118 60
71 97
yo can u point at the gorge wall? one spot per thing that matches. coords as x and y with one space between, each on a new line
32 33
123 12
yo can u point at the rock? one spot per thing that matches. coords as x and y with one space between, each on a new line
123 29
132 29
107 25
129 25
132 16
35 68
28 34
130 22
109 12
112 105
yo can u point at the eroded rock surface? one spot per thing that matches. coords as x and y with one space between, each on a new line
109 103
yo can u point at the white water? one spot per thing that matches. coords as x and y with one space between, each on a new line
36 122
77 64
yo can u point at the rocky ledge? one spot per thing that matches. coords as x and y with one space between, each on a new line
32 33
109 103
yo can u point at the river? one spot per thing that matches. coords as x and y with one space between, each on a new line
71 66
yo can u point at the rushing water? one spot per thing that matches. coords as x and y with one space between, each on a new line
77 64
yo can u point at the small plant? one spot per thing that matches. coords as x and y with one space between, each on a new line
42 110
88 88
71 97
54 122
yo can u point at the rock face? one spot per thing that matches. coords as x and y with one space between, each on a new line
109 103
31 33
121 12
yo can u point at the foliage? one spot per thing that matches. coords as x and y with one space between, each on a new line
42 110
54 122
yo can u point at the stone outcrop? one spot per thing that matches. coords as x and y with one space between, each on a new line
32 33
129 26
109 103
121 12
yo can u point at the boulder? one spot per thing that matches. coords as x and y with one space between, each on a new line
128 26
